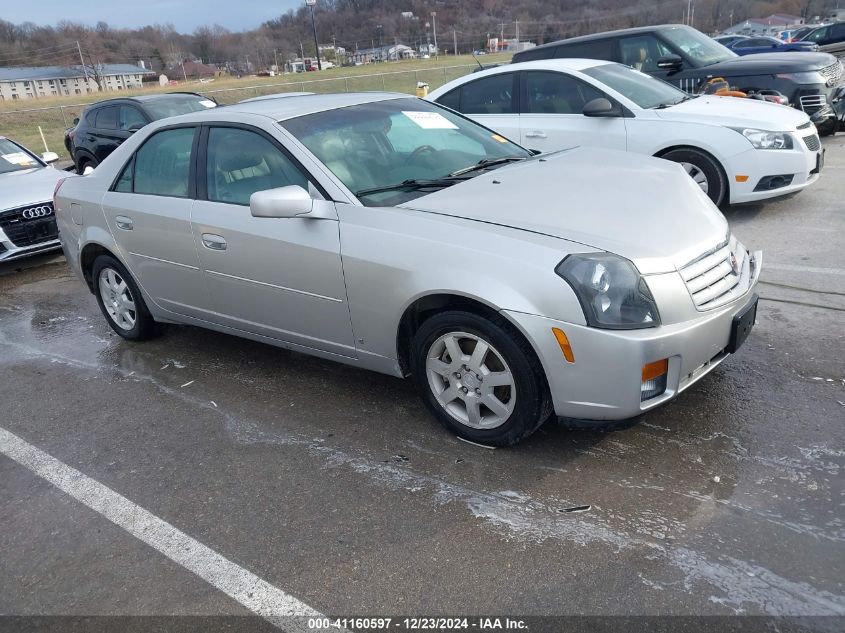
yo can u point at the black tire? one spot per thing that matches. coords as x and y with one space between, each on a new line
144 326
717 183
83 162
532 404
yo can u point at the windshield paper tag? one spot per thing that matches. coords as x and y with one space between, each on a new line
18 158
208 103
430 120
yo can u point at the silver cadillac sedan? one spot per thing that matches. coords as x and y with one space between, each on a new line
392 234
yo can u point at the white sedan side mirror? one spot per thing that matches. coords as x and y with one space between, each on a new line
49 157
283 202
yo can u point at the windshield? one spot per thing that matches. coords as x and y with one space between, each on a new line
696 46
644 90
387 143
13 157
174 105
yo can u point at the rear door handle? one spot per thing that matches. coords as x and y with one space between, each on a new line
214 242
124 223
535 134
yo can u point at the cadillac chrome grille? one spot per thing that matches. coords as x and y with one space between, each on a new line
719 276
832 73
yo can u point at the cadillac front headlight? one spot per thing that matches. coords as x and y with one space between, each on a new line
611 291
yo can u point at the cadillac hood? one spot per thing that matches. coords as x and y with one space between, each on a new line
645 209
20 188
736 112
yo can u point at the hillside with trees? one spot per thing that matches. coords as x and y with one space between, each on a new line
364 23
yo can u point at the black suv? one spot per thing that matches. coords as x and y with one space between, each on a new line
830 38
106 124
686 57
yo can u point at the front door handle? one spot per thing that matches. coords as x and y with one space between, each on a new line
125 223
535 134
214 242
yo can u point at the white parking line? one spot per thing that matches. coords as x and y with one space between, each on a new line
243 586
803 269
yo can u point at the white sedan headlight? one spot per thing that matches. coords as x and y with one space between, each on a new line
762 139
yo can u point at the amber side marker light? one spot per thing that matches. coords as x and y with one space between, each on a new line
741 178
565 347
654 379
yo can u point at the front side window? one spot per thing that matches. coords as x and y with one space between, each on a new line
491 95
384 143
130 117
241 162
818 34
556 93
163 164
641 52
644 90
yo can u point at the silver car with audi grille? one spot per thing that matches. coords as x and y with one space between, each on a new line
27 223
391 234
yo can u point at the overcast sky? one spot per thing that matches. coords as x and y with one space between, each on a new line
185 15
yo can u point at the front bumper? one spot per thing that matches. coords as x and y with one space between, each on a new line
801 164
8 251
604 382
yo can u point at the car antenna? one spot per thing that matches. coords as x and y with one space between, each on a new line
476 61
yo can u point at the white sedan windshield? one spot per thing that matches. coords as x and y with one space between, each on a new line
14 158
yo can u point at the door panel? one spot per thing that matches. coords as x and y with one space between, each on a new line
153 229
551 118
279 277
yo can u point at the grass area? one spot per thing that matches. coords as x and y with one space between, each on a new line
20 120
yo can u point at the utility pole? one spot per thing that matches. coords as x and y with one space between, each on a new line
84 69
517 32
689 9
276 59
502 38
434 26
311 4
455 38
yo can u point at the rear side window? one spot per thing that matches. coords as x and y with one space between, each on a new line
641 52
131 117
241 162
593 49
490 95
163 164
556 93
106 118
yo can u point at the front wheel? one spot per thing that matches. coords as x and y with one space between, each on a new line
120 300
479 378
703 169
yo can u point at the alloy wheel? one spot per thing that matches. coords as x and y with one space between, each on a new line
697 175
117 299
471 380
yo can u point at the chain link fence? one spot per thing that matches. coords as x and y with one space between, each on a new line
23 125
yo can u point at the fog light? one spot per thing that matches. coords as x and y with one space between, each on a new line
654 379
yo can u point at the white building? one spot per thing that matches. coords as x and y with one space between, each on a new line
771 25
389 53
23 82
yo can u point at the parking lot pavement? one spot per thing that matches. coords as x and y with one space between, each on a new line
336 488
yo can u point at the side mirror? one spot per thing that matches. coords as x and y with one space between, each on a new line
601 107
76 121
670 62
88 170
49 157
284 202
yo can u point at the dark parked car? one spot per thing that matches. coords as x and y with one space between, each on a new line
686 57
830 38
727 40
765 44
106 124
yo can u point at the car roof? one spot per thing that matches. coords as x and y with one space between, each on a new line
295 106
608 34
142 98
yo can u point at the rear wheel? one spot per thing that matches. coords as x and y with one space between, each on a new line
703 169
83 162
479 378
120 300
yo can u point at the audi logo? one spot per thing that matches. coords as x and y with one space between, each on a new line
37 212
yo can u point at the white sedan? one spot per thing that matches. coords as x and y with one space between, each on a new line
737 150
